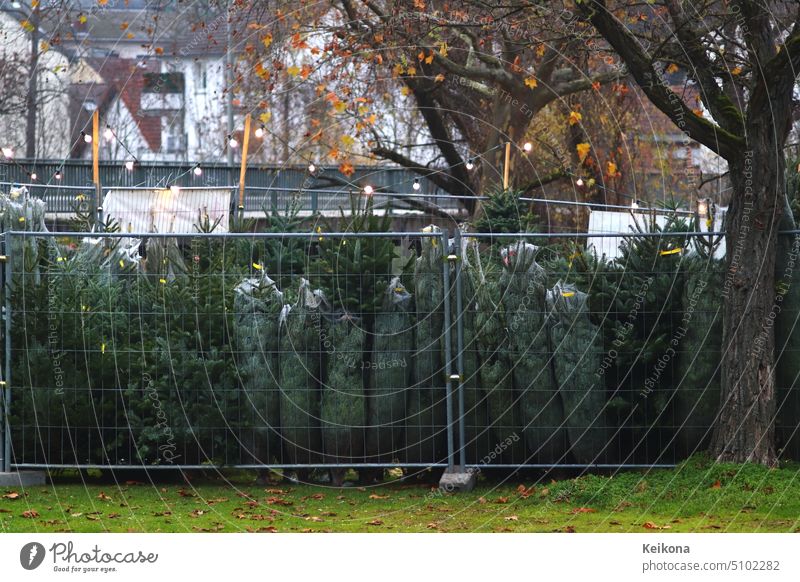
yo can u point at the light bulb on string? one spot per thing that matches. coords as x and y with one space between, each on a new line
108 134
57 175
86 137
233 143
527 147
634 205
33 176
470 164
369 190
416 185
312 168
259 132
129 165
579 182
198 171
8 152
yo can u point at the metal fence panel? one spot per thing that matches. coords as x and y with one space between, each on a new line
481 350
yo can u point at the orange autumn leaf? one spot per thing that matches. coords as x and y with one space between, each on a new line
583 150
159 50
574 117
266 40
596 85
347 169
531 82
515 65
429 59
611 168
421 56
736 71
672 68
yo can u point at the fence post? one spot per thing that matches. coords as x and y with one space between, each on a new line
5 385
448 351
460 347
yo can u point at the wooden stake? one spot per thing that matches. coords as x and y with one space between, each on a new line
96 165
245 144
507 165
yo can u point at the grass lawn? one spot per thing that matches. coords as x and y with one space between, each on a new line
698 496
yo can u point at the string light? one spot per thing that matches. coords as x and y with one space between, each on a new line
368 190
57 175
233 142
312 168
470 164
416 185
702 208
129 165
527 147
259 132
8 152
34 176
634 205
108 134
198 171
86 137
579 182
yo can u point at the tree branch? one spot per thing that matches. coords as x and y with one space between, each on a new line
640 66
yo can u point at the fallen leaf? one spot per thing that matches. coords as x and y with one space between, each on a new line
184 493
12 495
375 522
374 496
276 491
279 501
481 500
583 510
30 514
716 485
651 525
512 518
501 500
196 513
104 497
76 514
569 529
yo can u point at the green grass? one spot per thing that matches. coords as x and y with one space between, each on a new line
698 496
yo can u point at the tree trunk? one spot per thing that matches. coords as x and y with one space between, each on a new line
31 97
744 431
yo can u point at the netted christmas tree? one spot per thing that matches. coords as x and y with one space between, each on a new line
257 306
343 405
523 299
391 374
577 346
639 296
492 348
426 430
301 375
354 272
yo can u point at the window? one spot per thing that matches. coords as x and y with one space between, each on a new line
200 77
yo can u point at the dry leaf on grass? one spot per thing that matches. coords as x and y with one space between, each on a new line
30 514
583 510
651 525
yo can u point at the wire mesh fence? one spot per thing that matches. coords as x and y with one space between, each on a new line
363 349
